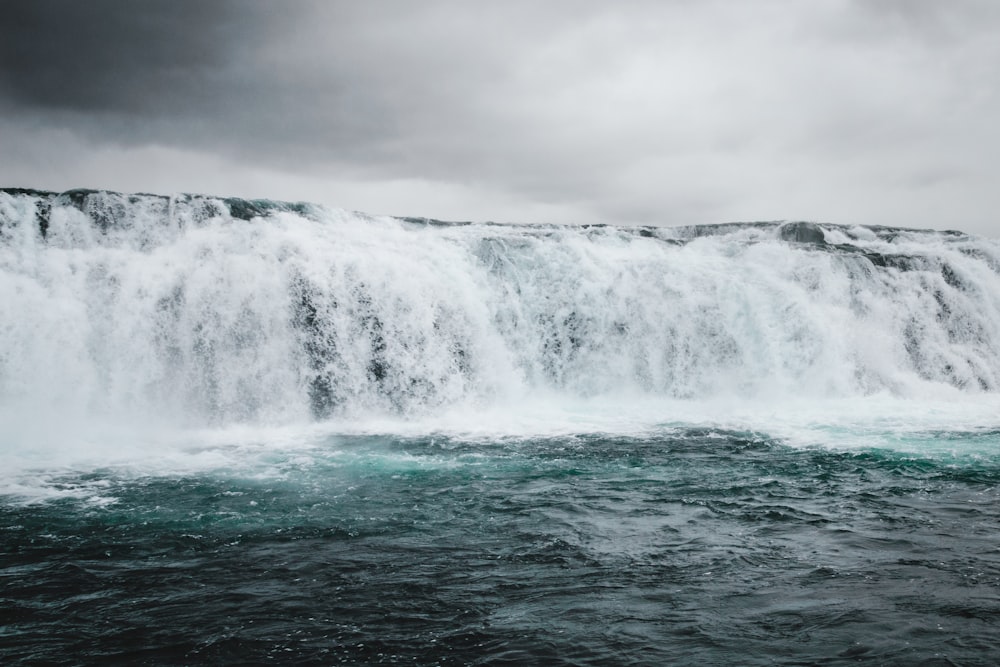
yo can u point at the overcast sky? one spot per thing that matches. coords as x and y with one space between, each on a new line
652 112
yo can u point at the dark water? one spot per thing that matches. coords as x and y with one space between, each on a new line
694 547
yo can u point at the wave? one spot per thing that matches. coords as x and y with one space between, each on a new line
226 311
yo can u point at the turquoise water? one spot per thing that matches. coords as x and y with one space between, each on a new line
251 432
690 546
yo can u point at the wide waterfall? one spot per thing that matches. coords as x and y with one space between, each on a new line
215 311
245 432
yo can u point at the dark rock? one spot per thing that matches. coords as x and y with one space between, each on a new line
248 209
802 232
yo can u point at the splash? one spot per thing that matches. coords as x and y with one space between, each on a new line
213 311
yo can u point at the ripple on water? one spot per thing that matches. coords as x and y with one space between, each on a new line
701 547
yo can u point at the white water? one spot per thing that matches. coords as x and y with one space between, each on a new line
134 316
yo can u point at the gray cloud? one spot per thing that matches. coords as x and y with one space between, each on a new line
104 55
656 112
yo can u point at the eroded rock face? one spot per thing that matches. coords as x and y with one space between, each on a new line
802 232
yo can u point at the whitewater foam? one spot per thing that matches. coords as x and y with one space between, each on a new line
130 322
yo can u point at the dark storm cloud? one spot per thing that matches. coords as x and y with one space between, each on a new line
106 55
389 88
128 72
230 76
640 111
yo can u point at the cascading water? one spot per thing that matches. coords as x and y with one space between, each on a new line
246 432
222 311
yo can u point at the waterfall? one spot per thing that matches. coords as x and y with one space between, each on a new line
227 311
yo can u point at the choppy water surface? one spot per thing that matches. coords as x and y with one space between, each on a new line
245 431
693 546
